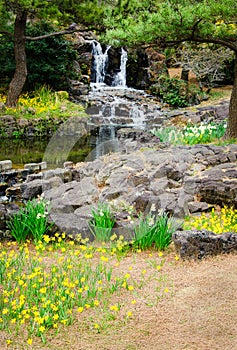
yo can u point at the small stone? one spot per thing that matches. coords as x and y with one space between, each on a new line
5 165
32 166
67 164
14 192
43 165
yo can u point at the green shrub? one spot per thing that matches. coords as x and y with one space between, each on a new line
177 92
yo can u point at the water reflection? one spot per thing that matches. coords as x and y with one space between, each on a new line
32 150
100 141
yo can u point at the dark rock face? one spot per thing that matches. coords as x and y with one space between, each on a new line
3 213
144 67
199 244
113 67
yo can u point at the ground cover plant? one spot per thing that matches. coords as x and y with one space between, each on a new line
192 134
43 102
218 221
49 286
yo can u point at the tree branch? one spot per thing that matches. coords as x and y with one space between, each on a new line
7 33
62 32
231 45
195 27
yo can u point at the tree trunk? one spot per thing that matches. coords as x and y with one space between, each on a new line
19 78
184 74
231 131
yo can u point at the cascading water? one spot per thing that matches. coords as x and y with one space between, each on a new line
120 78
112 104
100 61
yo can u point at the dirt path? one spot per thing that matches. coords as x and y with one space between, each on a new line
200 313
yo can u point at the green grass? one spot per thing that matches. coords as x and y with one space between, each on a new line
44 103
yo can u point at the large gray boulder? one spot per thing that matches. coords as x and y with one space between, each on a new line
197 244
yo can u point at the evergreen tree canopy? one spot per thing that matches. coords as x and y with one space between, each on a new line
171 22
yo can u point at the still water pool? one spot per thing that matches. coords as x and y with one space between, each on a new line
99 142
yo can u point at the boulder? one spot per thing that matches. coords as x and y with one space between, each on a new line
218 185
35 188
197 244
72 224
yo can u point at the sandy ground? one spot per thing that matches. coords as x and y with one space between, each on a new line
199 312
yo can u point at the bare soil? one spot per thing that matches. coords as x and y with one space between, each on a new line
224 92
200 315
199 312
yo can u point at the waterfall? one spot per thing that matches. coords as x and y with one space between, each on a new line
120 77
101 67
103 141
100 61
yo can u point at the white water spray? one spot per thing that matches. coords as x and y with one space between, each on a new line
120 77
100 61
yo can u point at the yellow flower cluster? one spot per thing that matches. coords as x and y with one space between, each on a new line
46 287
221 221
44 103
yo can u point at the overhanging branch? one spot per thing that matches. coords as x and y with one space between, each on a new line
62 32
231 45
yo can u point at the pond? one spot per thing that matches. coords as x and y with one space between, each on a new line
100 141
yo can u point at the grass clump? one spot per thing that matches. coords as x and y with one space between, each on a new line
30 221
224 220
102 223
154 232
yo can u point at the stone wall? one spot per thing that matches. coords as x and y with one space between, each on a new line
13 127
